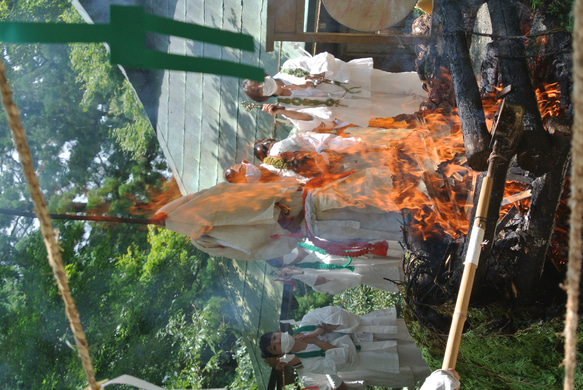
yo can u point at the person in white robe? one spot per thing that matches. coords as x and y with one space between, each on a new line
336 153
253 221
376 347
333 274
319 91
357 148
261 221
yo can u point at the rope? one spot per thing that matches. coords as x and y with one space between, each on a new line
576 204
317 24
49 236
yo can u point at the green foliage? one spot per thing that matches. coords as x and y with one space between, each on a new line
364 299
33 323
562 10
308 300
245 377
145 313
18 10
105 86
490 358
150 303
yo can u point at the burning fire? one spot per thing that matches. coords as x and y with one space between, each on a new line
549 98
428 177
432 181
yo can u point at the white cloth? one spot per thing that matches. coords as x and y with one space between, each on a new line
374 93
237 221
378 363
315 142
440 380
352 208
327 382
269 86
328 281
380 322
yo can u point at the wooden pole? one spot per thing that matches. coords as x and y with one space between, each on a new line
95 218
509 120
470 265
573 278
506 132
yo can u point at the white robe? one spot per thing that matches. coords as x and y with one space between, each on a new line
441 380
376 93
237 221
355 208
386 357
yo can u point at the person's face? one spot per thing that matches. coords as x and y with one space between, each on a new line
255 88
236 174
274 347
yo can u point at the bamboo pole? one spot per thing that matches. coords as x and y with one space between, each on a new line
470 266
506 133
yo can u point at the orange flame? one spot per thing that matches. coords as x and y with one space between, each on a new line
549 98
419 166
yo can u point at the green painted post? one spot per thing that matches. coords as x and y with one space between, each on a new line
126 36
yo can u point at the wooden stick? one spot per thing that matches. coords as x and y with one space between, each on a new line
506 132
470 265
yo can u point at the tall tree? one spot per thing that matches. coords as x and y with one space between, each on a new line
156 313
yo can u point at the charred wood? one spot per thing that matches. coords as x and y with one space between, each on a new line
540 220
429 271
534 152
506 219
469 102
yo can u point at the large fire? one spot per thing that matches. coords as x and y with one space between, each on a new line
432 181
429 181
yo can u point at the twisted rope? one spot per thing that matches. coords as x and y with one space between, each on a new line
49 236
576 204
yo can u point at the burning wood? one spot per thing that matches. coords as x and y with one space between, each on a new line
469 102
518 235
534 150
